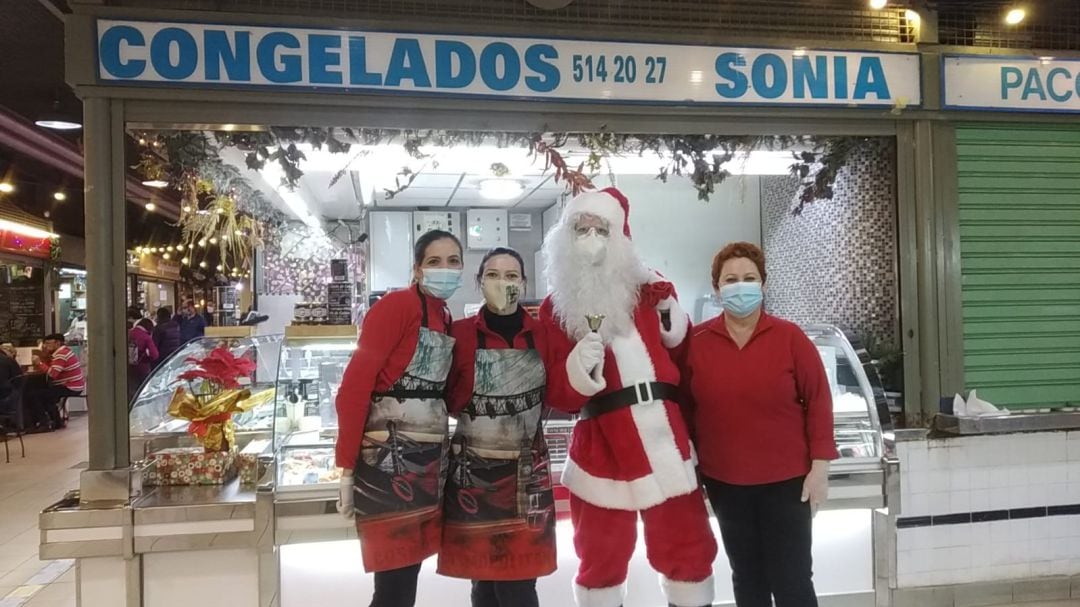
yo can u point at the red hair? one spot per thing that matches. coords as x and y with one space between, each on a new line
745 250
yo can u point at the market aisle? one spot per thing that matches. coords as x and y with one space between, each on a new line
51 468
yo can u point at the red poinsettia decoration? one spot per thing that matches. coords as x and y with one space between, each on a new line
220 368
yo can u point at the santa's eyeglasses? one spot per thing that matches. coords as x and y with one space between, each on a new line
584 230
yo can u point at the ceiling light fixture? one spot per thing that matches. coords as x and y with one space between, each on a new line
155 183
151 207
57 120
1015 16
59 196
6 187
25 230
501 189
877 5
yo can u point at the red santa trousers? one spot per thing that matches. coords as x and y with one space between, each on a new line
678 543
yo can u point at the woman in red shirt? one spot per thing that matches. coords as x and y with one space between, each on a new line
499 509
760 408
392 423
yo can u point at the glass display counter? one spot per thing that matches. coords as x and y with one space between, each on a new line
857 478
312 362
152 427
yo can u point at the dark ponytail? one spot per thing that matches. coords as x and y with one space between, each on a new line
422 243
496 252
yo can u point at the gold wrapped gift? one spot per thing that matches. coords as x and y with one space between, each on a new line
211 415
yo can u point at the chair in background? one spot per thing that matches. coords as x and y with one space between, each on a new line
11 415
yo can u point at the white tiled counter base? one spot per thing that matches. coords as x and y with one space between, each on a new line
989 509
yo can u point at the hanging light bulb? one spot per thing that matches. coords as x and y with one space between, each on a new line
220 268
170 249
166 256
150 207
186 261
179 247
202 243
213 240
202 264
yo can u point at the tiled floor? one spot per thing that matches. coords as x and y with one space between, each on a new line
50 469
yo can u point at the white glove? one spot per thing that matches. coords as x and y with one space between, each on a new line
345 495
665 305
585 365
589 352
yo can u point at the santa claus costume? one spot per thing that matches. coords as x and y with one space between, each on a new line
631 452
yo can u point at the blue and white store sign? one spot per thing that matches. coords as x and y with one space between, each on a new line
1024 84
206 55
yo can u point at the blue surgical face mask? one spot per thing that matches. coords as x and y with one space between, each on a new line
441 282
740 299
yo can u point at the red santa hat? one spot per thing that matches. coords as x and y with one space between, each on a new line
608 204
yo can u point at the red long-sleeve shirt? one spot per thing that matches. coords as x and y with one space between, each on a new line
459 388
760 414
387 343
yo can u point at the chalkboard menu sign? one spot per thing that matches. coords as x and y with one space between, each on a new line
22 313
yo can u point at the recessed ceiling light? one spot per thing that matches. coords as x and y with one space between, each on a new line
501 189
155 183
1015 16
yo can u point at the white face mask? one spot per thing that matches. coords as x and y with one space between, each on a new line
501 295
592 247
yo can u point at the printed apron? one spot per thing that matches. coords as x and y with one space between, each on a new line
399 475
499 509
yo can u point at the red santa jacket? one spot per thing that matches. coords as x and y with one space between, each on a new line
635 457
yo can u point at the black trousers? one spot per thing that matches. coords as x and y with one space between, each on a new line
43 402
396 588
516 593
766 531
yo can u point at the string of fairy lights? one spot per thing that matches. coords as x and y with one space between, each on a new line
184 253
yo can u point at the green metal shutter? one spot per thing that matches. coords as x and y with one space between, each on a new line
1019 214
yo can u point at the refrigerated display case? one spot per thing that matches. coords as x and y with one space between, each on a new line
312 362
151 426
861 422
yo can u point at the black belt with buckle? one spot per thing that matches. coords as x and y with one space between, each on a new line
644 392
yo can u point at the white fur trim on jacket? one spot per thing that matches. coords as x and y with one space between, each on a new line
680 325
612 596
688 594
639 494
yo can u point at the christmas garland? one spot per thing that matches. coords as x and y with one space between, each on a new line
222 208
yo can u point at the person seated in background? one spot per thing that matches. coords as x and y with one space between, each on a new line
9 368
192 324
166 334
63 378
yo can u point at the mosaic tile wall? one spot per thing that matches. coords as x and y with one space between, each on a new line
836 262
297 262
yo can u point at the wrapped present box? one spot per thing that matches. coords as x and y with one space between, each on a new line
247 461
190 466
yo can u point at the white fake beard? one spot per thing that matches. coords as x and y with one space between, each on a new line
579 288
